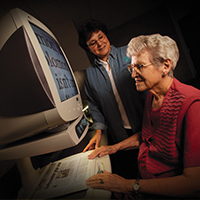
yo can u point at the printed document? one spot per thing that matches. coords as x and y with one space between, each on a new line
66 176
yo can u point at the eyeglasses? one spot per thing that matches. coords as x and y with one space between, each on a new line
137 67
94 42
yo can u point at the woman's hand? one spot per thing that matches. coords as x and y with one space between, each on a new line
102 151
94 142
110 182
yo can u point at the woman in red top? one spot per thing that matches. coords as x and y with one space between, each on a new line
169 155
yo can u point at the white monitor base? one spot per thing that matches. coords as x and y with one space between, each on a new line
29 176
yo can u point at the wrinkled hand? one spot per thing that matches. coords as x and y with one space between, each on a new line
94 142
110 182
102 151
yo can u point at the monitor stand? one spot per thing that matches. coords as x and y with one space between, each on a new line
42 143
29 176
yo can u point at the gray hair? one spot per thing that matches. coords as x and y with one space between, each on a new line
160 48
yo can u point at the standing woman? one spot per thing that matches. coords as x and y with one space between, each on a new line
113 103
169 155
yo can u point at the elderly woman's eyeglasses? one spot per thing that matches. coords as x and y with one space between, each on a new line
137 67
94 42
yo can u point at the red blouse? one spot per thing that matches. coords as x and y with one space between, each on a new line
170 135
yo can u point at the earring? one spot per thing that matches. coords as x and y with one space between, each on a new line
163 74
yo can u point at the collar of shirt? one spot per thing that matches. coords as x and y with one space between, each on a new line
104 63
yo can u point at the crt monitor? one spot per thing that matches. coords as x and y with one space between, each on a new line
38 89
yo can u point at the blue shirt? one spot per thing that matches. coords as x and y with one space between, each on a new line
103 106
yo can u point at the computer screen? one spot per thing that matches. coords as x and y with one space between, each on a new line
38 88
58 65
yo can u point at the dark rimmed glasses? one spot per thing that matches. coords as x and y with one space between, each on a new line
94 42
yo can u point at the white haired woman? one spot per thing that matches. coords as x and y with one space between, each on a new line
169 155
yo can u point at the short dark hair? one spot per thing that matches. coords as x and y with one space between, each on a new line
86 30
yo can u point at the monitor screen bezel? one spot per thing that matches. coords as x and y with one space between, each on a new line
71 108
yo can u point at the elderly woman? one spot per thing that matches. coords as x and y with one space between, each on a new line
169 155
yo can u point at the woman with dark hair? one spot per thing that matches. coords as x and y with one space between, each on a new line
112 106
85 32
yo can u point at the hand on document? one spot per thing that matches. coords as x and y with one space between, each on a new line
102 151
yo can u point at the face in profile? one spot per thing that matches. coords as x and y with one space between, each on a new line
146 75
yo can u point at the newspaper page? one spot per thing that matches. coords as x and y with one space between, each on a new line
66 176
